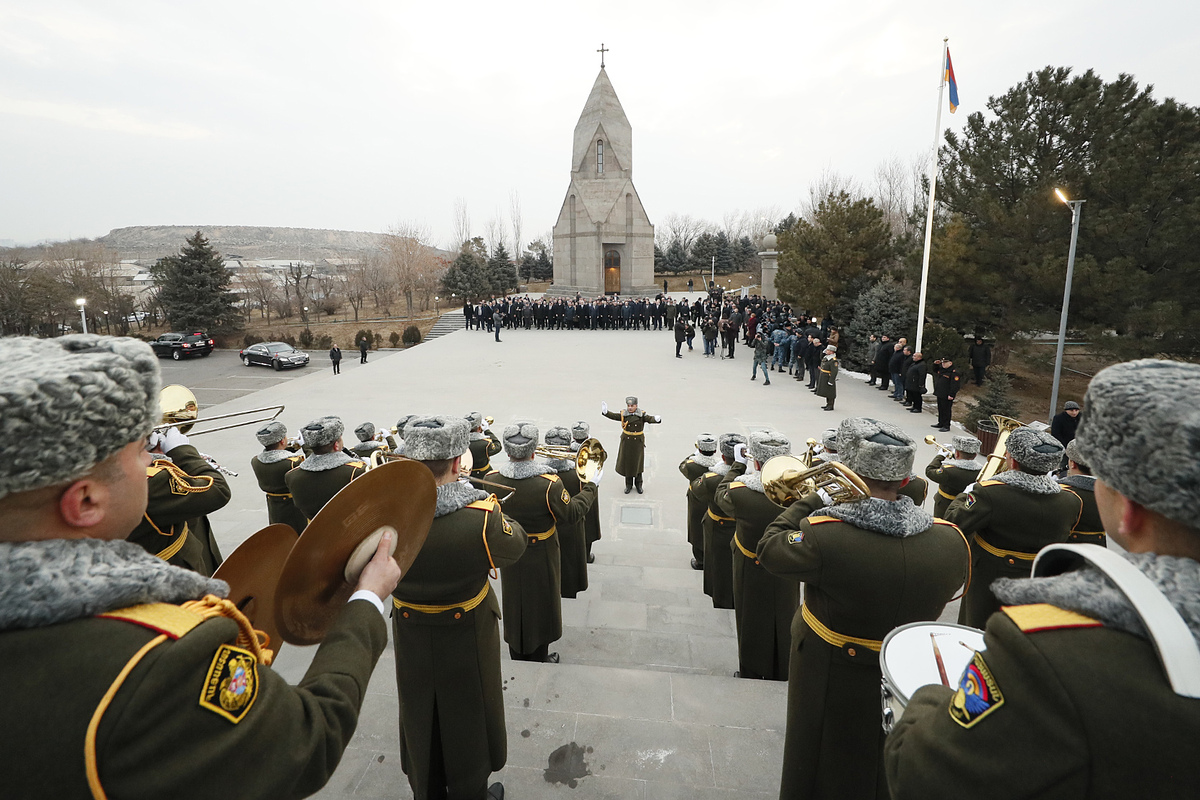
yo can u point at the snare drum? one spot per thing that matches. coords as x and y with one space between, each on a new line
908 661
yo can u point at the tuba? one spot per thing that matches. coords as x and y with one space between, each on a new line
589 459
786 479
995 459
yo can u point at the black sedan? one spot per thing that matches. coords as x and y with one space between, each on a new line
182 345
274 354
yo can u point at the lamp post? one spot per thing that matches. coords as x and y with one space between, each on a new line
1076 207
82 303
306 330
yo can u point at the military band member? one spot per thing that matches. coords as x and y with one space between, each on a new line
571 542
580 433
917 489
131 677
1010 517
1069 698
369 441
631 456
532 587
718 528
954 475
445 627
1088 529
827 378
693 467
484 445
327 471
828 446
867 566
182 489
271 467
763 603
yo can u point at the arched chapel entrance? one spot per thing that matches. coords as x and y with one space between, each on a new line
612 272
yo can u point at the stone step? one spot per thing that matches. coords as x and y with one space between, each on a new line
449 322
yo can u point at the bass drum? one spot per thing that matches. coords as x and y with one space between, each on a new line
922 654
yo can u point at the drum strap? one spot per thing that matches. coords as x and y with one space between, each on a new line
833 637
1000 552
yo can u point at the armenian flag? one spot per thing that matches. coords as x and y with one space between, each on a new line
949 78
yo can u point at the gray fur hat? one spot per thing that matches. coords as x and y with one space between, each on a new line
876 450
1150 455
400 423
520 440
1074 454
271 433
966 444
706 443
474 420
765 445
66 404
365 432
727 442
1036 451
436 438
829 440
322 431
580 431
631 400
558 436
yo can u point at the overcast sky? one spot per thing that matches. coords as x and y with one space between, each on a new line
363 115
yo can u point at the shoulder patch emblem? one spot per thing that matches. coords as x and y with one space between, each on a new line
978 694
231 685
970 501
507 527
795 537
566 496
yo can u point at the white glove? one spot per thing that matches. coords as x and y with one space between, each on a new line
300 437
657 418
739 453
485 426
598 477
603 407
154 442
824 495
172 439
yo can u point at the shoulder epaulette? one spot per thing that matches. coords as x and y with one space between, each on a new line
296 459
1045 617
356 464
736 484
166 618
819 518
487 504
991 482
710 475
550 476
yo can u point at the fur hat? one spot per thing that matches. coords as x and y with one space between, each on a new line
68 403
1148 455
400 423
580 431
474 420
727 441
271 433
765 445
631 401
1074 455
966 444
436 438
1036 451
876 450
829 440
706 443
520 440
558 436
322 431
365 432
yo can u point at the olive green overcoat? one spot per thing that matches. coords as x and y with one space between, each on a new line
631 455
272 480
951 482
718 529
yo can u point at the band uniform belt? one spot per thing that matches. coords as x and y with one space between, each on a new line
1001 552
945 495
633 433
470 605
288 495
537 537
747 553
174 547
825 371
718 518
833 637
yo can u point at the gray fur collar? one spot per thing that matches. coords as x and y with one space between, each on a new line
963 463
721 468
899 518
559 464
453 496
1035 484
1085 482
706 461
325 461
1087 591
274 456
517 470
478 436
753 480
59 580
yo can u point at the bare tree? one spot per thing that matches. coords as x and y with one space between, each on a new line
829 182
494 233
462 224
409 258
299 278
682 227
514 218
897 185
260 288
379 281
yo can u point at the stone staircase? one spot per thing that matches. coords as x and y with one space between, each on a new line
449 322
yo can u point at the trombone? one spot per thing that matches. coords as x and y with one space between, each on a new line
180 410
786 479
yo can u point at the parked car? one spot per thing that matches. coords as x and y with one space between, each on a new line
182 345
274 354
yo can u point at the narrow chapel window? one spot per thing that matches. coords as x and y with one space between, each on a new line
600 156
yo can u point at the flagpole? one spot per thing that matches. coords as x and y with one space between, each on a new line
937 135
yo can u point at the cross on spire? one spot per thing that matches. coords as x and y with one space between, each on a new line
602 51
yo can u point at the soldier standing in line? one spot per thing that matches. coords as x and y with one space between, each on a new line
867 566
763 603
827 378
946 380
446 632
368 442
717 528
572 536
1010 517
692 467
532 587
580 433
182 489
632 453
271 467
484 444
327 471
954 475
1088 529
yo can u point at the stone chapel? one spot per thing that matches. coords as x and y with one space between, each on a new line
603 240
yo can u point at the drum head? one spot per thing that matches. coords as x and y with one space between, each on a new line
313 588
907 657
252 572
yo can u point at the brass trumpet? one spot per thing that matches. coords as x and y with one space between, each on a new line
180 410
945 450
589 459
786 479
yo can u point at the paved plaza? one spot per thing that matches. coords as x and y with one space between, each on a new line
644 703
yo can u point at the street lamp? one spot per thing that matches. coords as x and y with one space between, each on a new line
82 303
1076 207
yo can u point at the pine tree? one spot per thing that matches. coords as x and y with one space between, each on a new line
724 253
545 267
193 288
703 250
501 275
677 257
996 398
884 307
467 277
